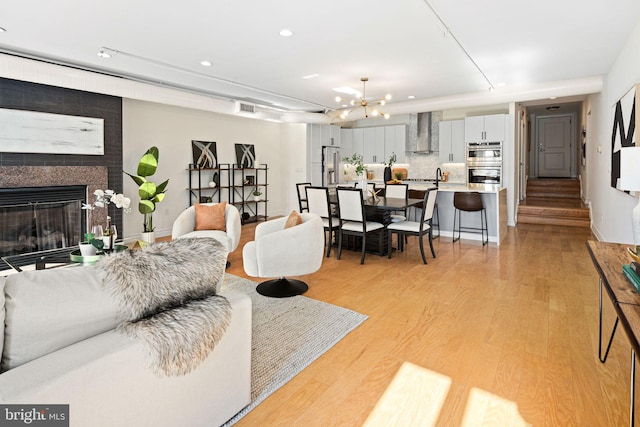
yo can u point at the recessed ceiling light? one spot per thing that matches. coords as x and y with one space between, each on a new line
311 76
205 63
411 97
501 84
103 53
553 97
286 32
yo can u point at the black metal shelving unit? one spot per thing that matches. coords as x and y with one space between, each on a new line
242 186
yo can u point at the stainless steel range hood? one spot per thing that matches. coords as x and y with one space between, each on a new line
423 142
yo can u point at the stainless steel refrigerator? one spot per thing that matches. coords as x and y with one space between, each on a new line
331 166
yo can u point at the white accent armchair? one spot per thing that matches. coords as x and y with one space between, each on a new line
279 252
184 226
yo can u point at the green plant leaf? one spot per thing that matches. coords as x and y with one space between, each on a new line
146 206
161 187
148 165
147 191
97 243
158 198
137 179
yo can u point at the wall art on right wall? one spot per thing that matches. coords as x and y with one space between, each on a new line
623 134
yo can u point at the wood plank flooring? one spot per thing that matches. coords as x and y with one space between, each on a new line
480 336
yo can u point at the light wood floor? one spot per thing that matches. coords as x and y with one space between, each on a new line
487 336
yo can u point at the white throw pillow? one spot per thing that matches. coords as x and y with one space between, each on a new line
47 310
2 281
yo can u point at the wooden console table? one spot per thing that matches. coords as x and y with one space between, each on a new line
608 259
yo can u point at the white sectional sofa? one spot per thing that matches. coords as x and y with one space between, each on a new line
59 346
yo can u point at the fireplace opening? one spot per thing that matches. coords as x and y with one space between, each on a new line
36 219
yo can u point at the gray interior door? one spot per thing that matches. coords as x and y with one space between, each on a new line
554 146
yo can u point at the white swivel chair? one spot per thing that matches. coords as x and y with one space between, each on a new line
277 252
185 224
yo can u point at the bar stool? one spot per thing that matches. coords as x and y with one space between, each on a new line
469 201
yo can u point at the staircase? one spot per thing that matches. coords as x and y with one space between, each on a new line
554 202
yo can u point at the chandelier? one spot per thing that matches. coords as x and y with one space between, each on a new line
361 102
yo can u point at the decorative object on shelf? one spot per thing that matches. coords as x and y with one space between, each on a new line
249 180
150 193
630 181
103 200
205 154
624 131
362 102
212 184
245 155
445 176
256 194
388 166
216 179
256 163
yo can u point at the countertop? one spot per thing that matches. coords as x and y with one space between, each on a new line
453 186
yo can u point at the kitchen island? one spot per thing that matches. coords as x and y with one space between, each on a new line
493 196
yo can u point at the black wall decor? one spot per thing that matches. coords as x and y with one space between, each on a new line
205 154
245 155
624 130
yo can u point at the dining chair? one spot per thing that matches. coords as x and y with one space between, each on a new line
417 228
352 218
318 203
397 191
302 196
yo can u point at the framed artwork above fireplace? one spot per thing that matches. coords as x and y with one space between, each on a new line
34 132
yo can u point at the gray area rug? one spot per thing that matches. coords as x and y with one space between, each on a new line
288 335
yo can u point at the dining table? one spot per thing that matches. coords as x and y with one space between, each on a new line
377 209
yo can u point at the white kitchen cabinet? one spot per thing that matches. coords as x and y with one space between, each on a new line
452 143
395 141
375 144
370 152
319 136
488 128
346 142
357 141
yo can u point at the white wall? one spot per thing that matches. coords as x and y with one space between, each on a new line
611 209
172 128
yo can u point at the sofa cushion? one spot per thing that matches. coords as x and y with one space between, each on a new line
210 217
47 310
2 282
293 220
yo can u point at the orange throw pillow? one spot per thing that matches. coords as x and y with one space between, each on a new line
210 217
293 220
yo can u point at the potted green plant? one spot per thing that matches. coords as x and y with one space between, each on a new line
256 194
356 161
150 193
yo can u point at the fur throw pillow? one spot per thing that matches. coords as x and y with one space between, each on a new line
164 275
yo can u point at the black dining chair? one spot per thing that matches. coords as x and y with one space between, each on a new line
417 228
319 204
352 218
302 196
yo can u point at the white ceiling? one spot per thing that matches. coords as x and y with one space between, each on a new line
401 45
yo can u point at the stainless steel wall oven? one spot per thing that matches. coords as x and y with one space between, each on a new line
484 163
